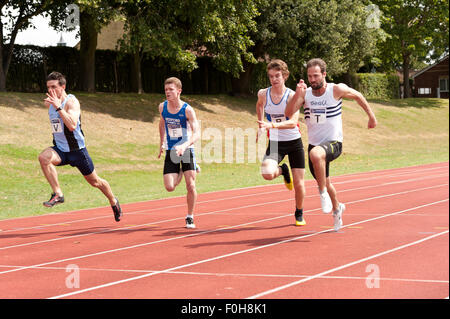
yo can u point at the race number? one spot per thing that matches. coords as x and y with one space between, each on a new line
319 116
56 125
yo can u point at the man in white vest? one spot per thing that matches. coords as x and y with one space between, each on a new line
323 116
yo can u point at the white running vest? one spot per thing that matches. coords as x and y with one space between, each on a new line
323 116
275 113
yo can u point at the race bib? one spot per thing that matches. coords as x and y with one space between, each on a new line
56 126
319 116
277 118
175 131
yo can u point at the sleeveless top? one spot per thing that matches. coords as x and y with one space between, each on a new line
323 116
275 113
177 126
64 139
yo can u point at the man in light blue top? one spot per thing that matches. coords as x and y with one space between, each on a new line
69 144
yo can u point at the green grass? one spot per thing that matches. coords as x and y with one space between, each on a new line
122 139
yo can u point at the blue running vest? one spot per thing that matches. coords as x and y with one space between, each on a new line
64 139
177 129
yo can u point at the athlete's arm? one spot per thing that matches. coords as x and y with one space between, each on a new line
260 109
341 90
193 122
162 130
296 101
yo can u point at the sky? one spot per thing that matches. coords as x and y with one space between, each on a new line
44 35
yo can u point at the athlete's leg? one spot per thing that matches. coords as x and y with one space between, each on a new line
102 185
270 169
191 197
333 194
298 175
48 159
317 157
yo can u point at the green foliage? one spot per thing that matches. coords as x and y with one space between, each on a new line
296 31
179 30
377 85
415 29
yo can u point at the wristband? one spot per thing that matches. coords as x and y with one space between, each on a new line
58 109
273 125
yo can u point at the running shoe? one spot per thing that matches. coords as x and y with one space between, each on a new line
287 175
337 215
117 211
299 220
190 222
54 199
325 201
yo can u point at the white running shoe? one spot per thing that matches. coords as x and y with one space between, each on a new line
337 215
325 201
190 222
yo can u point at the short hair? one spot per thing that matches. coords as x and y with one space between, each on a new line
317 62
278 65
57 76
174 80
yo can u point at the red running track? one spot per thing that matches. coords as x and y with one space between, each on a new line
394 244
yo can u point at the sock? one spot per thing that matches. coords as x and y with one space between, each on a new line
190 216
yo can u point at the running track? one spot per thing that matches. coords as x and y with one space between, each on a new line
394 244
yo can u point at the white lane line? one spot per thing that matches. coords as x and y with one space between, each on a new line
195 273
238 253
267 292
199 214
213 200
219 229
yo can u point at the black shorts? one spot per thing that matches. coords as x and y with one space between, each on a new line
277 150
79 159
172 161
332 149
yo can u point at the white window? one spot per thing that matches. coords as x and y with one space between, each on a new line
443 84
424 91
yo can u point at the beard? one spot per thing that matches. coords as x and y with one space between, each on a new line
317 86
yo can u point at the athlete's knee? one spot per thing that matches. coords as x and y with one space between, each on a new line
299 187
44 158
316 156
268 171
169 187
190 187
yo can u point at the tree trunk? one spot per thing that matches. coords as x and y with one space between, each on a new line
88 45
136 78
406 65
241 85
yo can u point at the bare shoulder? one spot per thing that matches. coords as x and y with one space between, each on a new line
72 103
190 112
262 95
161 107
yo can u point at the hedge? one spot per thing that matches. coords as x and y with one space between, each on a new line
377 85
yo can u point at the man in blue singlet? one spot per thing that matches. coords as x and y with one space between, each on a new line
178 131
69 144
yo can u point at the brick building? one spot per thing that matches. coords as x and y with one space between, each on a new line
433 80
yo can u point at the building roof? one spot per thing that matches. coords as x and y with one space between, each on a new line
430 67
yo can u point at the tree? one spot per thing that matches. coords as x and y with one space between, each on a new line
417 30
15 17
178 31
94 15
296 31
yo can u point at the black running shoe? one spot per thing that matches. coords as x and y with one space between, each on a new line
287 175
299 220
117 211
54 199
